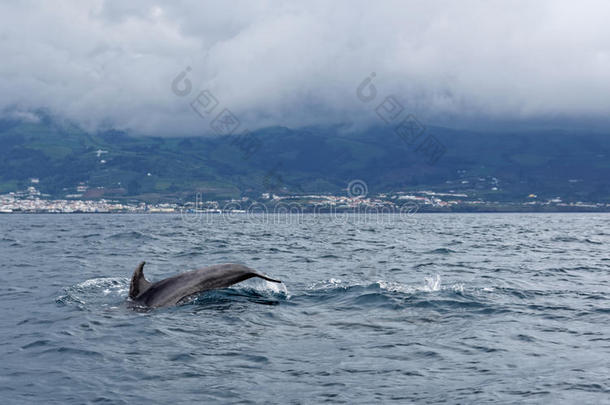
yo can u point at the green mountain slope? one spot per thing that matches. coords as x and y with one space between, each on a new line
501 166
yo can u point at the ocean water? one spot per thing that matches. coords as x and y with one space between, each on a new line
457 308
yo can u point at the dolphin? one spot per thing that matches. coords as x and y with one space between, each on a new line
172 290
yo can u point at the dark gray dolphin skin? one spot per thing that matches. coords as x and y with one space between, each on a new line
171 290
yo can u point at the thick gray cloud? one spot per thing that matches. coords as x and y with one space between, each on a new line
111 63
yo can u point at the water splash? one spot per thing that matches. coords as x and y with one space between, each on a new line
433 283
263 287
277 288
102 291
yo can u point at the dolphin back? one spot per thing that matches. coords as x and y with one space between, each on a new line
172 290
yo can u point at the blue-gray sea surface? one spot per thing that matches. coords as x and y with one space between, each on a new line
460 308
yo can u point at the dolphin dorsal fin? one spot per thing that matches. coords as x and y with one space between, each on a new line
138 283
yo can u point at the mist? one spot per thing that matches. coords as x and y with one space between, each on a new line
112 64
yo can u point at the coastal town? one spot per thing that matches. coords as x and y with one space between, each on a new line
32 200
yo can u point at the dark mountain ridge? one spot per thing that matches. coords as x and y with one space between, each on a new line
498 165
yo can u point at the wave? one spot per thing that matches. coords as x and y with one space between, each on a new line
574 239
389 298
595 242
131 235
443 251
431 284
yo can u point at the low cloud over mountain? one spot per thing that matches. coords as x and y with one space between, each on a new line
110 64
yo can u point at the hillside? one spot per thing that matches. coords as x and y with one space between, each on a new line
500 166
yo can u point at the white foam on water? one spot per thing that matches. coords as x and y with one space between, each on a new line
93 289
263 286
431 284
277 288
109 284
329 284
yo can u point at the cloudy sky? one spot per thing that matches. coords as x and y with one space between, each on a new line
111 64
